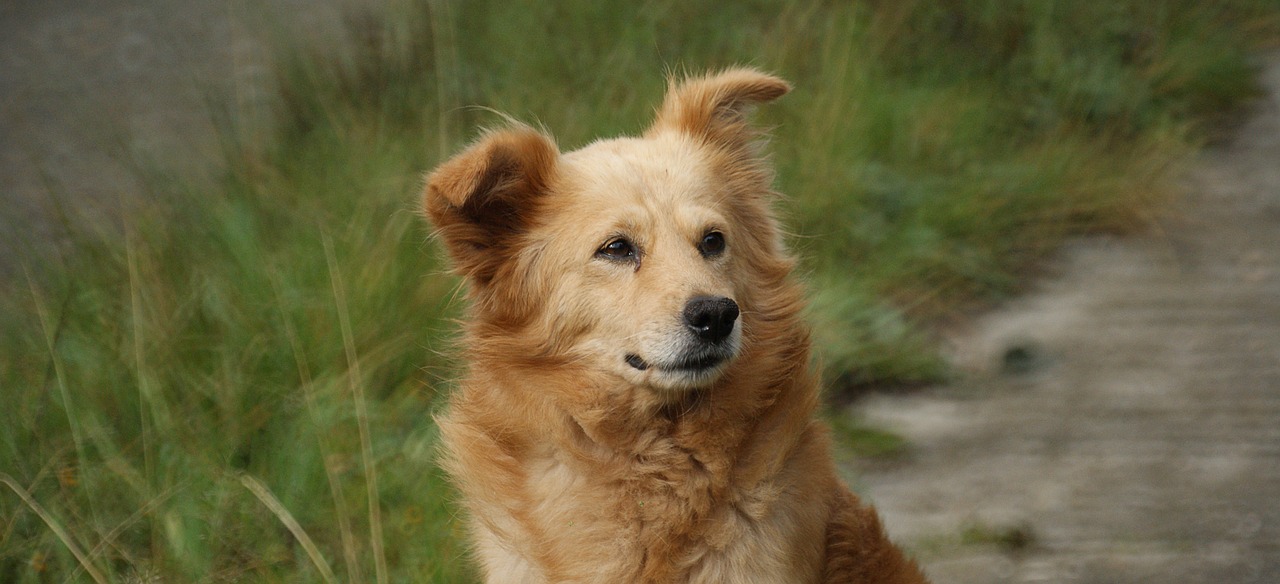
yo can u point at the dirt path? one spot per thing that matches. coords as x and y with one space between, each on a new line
1122 423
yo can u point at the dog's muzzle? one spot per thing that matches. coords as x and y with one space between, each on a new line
710 320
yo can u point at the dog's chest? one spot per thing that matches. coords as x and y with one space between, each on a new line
663 516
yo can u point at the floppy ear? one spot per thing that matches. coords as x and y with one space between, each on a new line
484 198
715 107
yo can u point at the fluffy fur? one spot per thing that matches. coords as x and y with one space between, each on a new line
585 444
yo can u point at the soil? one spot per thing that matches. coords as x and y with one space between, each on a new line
1120 423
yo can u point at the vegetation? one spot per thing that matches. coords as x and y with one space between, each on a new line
239 385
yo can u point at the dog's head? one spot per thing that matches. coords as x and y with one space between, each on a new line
648 258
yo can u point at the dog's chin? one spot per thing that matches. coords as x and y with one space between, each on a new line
677 377
679 381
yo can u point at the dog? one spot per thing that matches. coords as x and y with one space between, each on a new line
639 403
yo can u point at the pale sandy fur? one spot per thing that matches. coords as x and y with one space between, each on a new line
574 465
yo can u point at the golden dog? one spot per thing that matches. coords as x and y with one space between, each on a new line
639 404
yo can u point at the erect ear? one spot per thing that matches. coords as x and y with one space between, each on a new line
715 107
484 198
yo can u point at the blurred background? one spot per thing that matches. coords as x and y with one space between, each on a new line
1042 241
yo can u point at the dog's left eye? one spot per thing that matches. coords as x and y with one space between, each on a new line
712 244
617 249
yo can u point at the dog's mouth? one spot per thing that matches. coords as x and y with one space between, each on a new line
635 361
695 363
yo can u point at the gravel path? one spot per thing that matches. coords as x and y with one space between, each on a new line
1122 423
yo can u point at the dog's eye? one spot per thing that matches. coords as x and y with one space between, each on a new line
617 249
712 244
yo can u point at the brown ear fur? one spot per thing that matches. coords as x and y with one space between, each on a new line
482 199
715 107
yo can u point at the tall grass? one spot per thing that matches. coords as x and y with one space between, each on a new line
238 386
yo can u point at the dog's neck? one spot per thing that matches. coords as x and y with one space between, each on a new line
685 459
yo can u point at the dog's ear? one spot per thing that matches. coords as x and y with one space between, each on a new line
483 199
715 107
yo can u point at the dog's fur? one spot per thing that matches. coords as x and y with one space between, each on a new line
594 437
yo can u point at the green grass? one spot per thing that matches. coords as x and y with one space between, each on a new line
259 359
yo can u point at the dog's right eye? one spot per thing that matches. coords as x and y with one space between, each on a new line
618 250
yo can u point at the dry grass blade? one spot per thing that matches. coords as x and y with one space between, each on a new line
51 341
55 527
355 378
51 331
354 574
263 494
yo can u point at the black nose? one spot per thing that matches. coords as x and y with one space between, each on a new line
711 317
